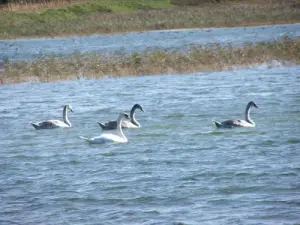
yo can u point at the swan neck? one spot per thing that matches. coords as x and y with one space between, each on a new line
119 126
132 116
247 115
65 116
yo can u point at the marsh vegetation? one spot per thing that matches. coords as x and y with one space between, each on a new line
35 18
211 57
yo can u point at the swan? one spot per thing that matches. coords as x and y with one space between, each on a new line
248 122
117 136
50 124
130 123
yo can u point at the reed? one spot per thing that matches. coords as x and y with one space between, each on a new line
113 16
212 57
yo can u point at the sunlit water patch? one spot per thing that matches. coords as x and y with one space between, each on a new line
177 169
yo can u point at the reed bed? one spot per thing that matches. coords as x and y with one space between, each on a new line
113 16
212 57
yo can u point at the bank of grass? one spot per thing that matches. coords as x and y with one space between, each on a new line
112 16
212 57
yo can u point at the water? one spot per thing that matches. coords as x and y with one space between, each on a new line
176 169
142 41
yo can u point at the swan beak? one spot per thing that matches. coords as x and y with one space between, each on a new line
255 106
71 110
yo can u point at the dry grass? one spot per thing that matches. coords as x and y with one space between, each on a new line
201 58
66 22
39 6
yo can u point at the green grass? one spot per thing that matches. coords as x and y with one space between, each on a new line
43 23
72 12
201 58
111 16
102 6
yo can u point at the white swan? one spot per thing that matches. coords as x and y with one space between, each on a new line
117 136
130 123
50 124
248 122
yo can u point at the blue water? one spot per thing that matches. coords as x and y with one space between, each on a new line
25 49
176 169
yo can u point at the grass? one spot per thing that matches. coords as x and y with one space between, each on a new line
82 17
201 58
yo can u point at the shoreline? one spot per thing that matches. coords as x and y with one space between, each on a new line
258 24
113 17
105 17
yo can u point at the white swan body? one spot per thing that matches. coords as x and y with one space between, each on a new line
127 123
50 124
117 136
105 138
248 122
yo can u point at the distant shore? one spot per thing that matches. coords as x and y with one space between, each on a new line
86 17
212 57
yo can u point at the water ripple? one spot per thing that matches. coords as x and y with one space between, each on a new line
177 169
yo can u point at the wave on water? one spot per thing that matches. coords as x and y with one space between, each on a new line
226 132
293 140
11 222
175 115
80 199
153 135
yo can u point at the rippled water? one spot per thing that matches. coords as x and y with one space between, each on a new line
176 169
142 41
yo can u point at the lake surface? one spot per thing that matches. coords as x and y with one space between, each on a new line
27 49
177 169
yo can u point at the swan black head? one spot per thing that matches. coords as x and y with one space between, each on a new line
252 104
138 106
